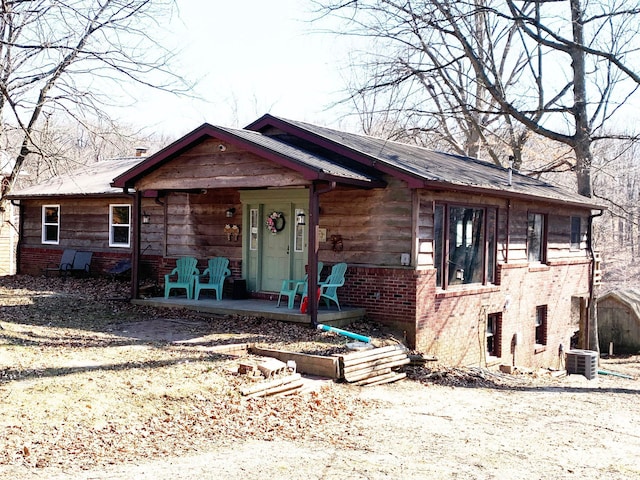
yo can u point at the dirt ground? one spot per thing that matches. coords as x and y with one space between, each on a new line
439 423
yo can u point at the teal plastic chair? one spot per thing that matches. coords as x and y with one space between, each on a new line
329 288
291 288
215 274
186 271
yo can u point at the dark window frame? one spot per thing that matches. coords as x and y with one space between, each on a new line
493 334
575 239
442 245
540 253
541 325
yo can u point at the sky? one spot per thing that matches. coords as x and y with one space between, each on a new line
251 57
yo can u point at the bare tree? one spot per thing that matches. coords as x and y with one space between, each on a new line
559 68
73 60
572 63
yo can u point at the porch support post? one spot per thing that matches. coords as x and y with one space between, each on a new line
314 222
135 255
312 279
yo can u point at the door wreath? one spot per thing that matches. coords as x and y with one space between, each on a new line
275 222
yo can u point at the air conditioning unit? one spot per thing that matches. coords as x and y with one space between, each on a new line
582 362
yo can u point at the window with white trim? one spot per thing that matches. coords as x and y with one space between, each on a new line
119 225
51 224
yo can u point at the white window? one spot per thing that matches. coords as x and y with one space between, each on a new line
253 227
299 238
51 224
120 225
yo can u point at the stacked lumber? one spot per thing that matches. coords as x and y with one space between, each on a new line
287 385
375 366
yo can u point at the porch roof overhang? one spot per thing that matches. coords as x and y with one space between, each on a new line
311 166
423 168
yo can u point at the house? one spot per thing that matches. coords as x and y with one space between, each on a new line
473 263
79 211
619 321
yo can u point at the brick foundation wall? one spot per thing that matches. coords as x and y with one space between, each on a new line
388 295
34 260
454 329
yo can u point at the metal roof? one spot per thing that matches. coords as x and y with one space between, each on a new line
94 179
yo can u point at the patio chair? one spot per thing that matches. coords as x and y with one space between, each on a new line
216 272
66 261
185 272
81 264
329 288
290 288
120 269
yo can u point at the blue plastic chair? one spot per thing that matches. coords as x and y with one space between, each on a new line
216 272
186 271
291 288
329 287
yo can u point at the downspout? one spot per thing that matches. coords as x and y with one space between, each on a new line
591 309
314 222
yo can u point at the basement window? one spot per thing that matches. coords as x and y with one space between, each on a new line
51 224
494 334
541 325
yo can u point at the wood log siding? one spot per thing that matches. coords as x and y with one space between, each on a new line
84 224
375 225
195 224
205 166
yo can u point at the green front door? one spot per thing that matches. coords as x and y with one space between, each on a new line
276 246
270 257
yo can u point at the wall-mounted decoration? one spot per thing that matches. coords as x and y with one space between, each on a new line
275 222
336 243
232 232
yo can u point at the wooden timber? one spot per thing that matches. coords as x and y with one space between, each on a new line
375 366
309 364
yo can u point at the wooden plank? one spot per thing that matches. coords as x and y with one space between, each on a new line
375 379
269 385
366 374
309 364
356 375
393 378
375 363
354 361
287 388
368 353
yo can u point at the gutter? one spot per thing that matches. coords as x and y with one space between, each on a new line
591 309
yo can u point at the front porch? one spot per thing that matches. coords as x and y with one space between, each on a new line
258 308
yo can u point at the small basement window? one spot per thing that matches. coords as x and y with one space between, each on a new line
541 325
494 334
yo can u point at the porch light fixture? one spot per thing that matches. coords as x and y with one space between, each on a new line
300 218
146 218
230 212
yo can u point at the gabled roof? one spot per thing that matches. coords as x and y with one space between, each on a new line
629 297
311 166
94 179
421 167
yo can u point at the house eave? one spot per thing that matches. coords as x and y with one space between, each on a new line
509 194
